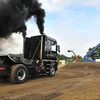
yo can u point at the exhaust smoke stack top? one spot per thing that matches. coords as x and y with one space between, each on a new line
14 14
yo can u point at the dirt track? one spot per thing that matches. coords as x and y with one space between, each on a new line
69 83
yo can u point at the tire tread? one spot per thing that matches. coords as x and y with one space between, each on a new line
13 69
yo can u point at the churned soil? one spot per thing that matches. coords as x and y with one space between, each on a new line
86 65
74 81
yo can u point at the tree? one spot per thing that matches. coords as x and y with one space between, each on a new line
80 58
94 54
74 58
69 59
61 57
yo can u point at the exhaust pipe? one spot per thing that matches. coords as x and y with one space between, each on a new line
23 46
24 38
41 47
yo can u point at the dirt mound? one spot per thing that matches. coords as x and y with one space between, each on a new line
90 65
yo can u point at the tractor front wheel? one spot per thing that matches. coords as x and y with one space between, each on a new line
52 71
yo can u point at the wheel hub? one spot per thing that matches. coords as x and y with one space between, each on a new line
52 71
21 74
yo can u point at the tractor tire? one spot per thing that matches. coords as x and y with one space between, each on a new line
52 71
18 74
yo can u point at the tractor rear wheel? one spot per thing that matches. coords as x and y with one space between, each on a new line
18 74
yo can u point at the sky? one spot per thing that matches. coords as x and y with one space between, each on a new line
75 24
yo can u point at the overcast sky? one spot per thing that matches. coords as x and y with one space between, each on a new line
75 24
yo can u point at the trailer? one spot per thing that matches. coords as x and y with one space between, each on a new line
39 56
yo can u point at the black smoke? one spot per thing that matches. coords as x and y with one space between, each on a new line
14 14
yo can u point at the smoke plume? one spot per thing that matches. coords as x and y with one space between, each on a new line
14 14
13 44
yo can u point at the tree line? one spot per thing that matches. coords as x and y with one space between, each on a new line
69 59
16 55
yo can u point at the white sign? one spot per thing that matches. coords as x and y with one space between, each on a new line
97 60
